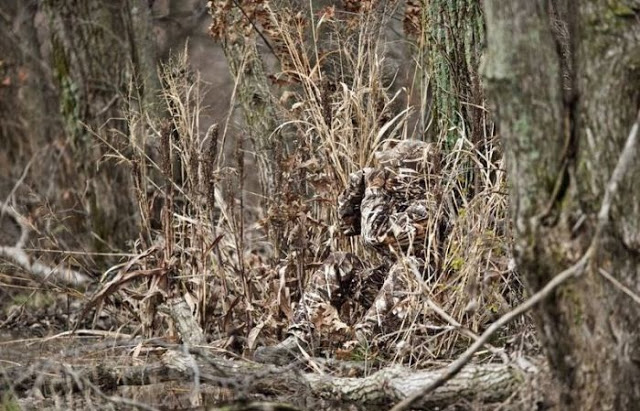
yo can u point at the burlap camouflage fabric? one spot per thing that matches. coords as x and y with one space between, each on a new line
391 206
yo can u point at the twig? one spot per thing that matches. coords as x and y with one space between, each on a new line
626 158
257 30
465 331
4 204
454 368
17 254
20 221
67 275
86 333
620 286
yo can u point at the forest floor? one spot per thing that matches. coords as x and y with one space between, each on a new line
35 350
44 367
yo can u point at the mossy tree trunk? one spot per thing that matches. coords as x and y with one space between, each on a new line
565 79
102 52
450 45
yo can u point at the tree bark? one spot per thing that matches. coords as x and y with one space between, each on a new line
450 41
101 53
27 98
453 35
565 79
234 29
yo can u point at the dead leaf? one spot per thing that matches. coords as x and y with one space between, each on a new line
255 331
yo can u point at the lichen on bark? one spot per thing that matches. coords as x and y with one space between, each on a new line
565 107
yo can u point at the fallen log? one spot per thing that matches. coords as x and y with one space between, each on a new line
15 253
486 382
194 363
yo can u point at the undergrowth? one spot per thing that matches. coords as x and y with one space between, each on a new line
240 259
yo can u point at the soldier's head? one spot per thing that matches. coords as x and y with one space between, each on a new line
349 204
412 154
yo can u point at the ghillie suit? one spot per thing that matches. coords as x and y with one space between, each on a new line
391 206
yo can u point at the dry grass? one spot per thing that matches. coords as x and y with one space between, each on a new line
241 260
242 265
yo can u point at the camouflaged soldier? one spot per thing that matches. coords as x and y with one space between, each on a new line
392 207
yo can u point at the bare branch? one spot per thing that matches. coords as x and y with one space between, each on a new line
64 274
626 158
619 285
455 367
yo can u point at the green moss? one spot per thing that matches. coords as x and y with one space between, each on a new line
457 263
452 60
574 303
362 353
9 403
33 300
69 104
621 10
494 307
606 19
521 126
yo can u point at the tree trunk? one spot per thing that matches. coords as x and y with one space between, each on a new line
27 98
101 53
233 29
450 41
565 81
